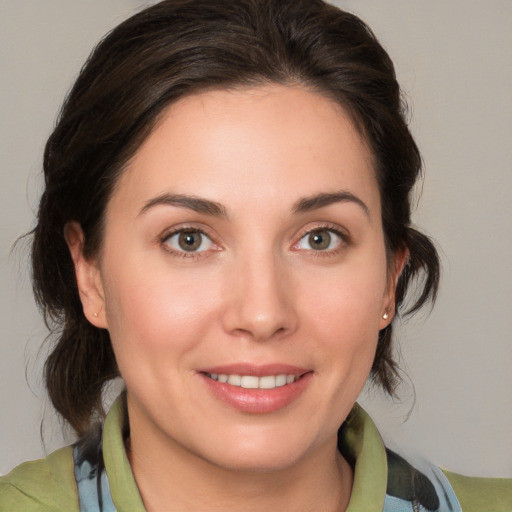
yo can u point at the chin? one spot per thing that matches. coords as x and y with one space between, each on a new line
267 451
258 461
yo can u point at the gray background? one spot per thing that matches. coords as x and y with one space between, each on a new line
454 60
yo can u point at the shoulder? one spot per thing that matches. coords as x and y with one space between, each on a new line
43 485
427 487
480 494
424 486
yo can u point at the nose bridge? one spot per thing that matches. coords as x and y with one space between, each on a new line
261 304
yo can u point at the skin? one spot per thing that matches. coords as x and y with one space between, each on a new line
256 291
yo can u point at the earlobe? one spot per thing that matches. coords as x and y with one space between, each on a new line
88 277
399 261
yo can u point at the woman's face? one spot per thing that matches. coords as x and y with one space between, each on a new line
244 243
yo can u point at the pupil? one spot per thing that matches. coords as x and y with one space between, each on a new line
320 240
190 241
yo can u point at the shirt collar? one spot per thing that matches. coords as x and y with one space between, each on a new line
358 440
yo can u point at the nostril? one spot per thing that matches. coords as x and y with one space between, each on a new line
258 309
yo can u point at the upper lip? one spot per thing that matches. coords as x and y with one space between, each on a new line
256 370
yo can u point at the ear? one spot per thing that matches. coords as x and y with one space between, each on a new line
88 277
398 263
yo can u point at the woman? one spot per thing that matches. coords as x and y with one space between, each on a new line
226 225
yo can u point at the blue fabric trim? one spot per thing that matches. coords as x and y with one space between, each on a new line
91 478
417 488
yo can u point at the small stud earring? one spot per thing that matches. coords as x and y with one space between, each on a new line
385 315
95 315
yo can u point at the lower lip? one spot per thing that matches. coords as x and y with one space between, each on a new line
258 401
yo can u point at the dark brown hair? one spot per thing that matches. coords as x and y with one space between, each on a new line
175 48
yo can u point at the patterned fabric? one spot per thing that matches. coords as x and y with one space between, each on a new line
423 487
418 488
90 475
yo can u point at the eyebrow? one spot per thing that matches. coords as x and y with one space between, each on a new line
196 204
208 207
307 204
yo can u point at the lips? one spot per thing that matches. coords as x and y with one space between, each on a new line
257 389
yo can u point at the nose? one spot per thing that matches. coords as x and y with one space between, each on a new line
260 300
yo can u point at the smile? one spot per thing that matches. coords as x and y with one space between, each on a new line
253 381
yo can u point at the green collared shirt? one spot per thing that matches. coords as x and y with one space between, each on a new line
49 484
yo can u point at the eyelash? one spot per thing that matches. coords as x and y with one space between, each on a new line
164 239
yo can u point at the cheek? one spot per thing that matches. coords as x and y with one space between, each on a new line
153 309
348 331
344 319
349 299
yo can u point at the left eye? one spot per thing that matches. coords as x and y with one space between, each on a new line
320 240
189 240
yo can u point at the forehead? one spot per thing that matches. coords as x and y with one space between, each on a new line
269 143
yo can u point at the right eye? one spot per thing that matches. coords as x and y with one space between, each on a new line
321 240
188 241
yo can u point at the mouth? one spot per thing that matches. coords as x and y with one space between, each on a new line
253 389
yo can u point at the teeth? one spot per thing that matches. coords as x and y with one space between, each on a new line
254 382
235 380
281 380
249 382
267 382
